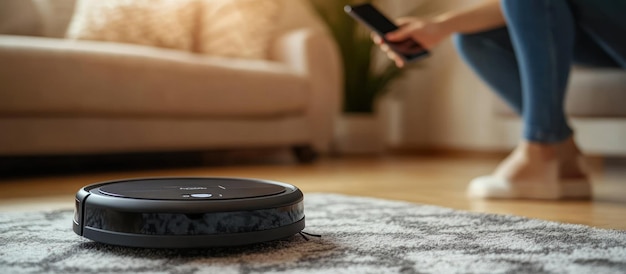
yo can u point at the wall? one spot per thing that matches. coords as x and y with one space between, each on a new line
443 104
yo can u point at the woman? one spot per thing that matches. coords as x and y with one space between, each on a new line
524 50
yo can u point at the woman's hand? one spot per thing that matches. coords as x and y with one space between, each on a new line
427 32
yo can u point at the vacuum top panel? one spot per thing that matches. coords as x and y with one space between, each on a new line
189 189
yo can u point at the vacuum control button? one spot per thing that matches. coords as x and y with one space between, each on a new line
202 195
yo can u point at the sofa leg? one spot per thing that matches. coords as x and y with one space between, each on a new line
305 154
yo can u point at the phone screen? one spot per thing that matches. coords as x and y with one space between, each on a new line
367 14
374 19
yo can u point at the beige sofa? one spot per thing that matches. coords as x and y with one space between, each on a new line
61 97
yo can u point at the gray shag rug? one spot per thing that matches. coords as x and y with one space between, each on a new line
359 235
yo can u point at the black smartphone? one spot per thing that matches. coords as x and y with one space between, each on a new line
409 50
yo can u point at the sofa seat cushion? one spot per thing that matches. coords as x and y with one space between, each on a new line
597 92
53 77
592 92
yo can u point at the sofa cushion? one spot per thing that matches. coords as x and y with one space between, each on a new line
160 23
19 17
55 16
93 79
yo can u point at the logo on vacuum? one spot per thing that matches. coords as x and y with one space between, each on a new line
193 188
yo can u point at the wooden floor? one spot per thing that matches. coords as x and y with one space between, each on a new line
428 180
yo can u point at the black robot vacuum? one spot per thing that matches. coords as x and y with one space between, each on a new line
188 212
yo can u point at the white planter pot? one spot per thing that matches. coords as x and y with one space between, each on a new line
359 134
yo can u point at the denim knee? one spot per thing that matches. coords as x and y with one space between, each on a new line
468 45
490 54
482 44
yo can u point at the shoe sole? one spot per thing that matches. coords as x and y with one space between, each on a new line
494 188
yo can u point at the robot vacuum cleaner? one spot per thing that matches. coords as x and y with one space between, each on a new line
188 212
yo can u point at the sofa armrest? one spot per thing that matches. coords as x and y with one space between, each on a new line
314 54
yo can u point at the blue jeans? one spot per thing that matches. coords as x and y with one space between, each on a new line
528 62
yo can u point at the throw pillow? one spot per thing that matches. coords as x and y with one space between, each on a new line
239 28
160 23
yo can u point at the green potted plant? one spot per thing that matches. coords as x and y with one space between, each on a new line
363 84
365 79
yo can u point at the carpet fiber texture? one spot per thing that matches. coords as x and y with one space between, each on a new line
360 235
